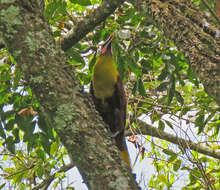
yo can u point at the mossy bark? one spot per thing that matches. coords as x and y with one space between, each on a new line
64 106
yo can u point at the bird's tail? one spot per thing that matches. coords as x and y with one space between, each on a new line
125 155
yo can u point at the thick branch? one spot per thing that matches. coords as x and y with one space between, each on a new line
154 132
89 23
63 105
194 35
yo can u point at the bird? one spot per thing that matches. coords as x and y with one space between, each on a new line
109 97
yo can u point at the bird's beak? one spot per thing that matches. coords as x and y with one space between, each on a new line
107 44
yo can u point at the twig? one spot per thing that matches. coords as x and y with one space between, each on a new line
21 171
49 179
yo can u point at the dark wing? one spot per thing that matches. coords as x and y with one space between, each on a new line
120 113
121 99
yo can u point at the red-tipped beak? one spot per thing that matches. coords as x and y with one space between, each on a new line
111 37
107 44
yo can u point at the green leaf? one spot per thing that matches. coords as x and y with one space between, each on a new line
161 125
28 132
54 148
10 144
185 110
163 86
200 122
5 157
15 132
34 142
72 188
162 178
40 171
81 2
171 90
10 124
169 152
193 179
141 88
24 122
169 124
18 177
45 142
135 88
209 118
6 115
84 78
44 127
55 10
179 97
172 158
41 154
154 117
192 77
9 170
75 58
133 66
146 66
2 185
122 67
164 74
2 132
196 172
92 62
177 165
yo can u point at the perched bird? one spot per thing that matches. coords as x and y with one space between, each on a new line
109 96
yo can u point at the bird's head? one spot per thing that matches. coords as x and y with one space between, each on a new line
107 46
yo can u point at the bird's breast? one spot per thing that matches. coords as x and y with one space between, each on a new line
104 78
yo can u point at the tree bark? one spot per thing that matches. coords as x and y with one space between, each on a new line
193 33
63 105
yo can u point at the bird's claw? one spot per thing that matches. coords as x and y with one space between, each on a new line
113 135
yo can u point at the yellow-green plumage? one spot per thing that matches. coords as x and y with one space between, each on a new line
104 77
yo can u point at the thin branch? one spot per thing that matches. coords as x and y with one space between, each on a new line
20 171
147 101
13 155
147 129
86 25
49 179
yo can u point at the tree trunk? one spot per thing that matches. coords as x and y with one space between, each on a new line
63 105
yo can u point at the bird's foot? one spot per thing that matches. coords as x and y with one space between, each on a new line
113 135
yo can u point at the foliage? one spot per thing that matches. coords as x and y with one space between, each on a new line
160 86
